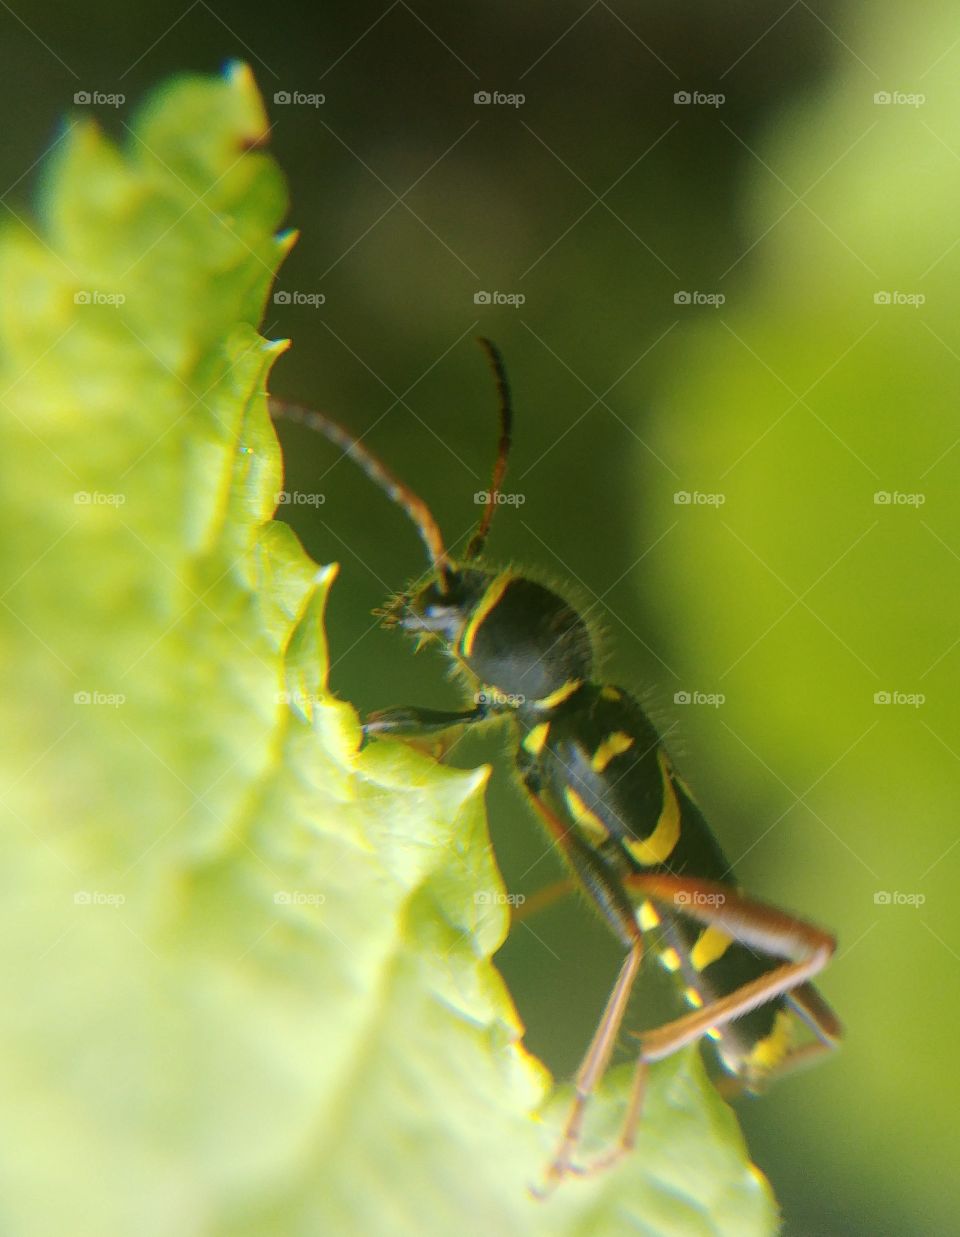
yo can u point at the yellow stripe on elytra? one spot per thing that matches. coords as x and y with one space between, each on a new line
648 917
612 746
768 1052
670 959
589 821
495 590
611 693
658 847
558 697
711 945
535 738
693 998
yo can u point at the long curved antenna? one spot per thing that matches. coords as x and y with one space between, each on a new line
395 490
479 538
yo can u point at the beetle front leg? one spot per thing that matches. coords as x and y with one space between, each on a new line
408 721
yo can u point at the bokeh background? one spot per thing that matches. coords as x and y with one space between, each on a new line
719 249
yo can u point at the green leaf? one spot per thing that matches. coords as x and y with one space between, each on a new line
247 965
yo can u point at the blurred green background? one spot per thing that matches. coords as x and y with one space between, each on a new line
748 297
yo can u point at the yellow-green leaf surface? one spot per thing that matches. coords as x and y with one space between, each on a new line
247 971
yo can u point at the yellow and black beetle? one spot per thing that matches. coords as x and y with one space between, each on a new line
598 774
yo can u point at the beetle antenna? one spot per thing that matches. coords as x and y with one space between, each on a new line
479 538
379 474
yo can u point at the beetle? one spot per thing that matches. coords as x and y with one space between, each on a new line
627 826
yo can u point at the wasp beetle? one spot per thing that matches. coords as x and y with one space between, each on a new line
631 834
